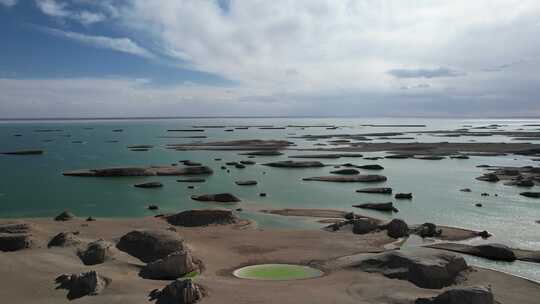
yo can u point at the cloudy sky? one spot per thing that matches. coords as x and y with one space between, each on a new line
88 58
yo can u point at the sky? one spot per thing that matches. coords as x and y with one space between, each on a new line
126 58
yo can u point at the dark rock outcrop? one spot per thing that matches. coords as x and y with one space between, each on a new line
191 180
371 178
173 266
96 253
380 190
246 183
403 196
84 284
489 177
378 206
150 245
371 167
530 194
295 164
346 172
461 295
219 197
423 267
23 152
149 185
202 217
180 291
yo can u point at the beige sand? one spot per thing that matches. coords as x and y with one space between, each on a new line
27 276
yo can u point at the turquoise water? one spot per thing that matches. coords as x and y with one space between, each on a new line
33 186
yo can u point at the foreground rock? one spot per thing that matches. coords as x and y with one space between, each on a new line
295 164
84 284
150 245
181 291
15 236
96 253
381 190
496 252
173 266
427 230
64 239
364 225
423 267
203 217
461 295
371 178
141 171
219 197
396 228
65 216
389 207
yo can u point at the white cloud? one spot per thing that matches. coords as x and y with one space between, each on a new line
125 45
330 43
8 3
53 8
59 9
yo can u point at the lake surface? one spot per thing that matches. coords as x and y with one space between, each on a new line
33 186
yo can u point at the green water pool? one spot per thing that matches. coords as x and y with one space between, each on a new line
277 272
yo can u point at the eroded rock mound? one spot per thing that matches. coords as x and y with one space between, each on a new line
498 252
423 267
371 167
364 225
181 291
83 284
15 236
96 253
150 245
219 197
397 228
65 216
461 295
202 217
173 266
64 239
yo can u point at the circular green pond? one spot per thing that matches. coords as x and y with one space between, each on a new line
277 272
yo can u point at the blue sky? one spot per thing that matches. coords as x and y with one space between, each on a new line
63 58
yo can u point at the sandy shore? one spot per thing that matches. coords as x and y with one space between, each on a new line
27 276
